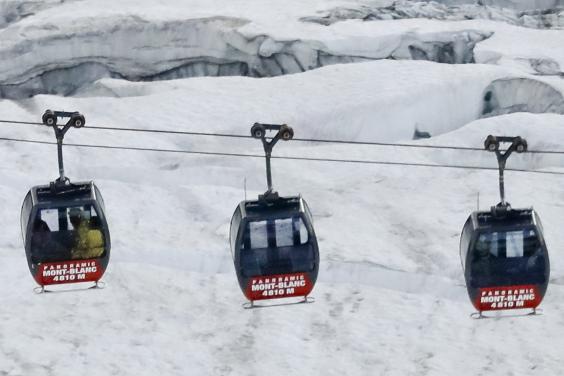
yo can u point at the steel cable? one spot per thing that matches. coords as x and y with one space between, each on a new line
312 140
311 159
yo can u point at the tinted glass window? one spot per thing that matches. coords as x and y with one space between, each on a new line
465 239
235 222
259 234
26 211
67 233
282 232
538 221
99 198
290 231
508 257
276 246
308 211
508 244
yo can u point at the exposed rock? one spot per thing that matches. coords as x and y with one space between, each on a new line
417 134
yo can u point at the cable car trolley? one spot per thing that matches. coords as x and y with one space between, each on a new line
64 228
503 253
272 239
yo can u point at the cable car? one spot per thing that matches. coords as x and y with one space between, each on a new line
503 253
64 228
273 242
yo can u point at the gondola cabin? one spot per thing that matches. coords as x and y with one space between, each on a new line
274 248
505 259
64 229
65 233
272 240
503 253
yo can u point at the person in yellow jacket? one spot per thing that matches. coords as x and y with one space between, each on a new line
89 243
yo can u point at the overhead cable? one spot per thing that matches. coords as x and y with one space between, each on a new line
311 159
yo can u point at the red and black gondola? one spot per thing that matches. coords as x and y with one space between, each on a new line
64 227
503 252
272 239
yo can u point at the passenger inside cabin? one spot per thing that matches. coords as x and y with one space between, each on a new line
481 264
88 243
41 237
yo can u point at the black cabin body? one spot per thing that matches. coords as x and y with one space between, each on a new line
65 233
274 248
505 259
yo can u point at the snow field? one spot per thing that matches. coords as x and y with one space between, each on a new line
390 298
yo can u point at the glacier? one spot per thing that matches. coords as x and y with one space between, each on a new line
45 53
548 15
136 50
390 298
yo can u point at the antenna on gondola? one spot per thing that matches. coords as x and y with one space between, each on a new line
492 144
258 130
76 120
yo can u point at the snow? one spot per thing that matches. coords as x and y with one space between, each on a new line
390 298
48 52
512 4
362 96
539 17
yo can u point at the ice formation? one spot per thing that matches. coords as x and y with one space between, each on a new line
510 95
44 53
544 15
134 50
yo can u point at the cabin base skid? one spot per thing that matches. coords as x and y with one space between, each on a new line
276 303
481 314
98 285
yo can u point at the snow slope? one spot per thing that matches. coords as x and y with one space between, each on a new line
390 298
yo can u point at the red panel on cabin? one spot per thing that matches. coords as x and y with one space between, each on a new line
54 273
507 297
278 286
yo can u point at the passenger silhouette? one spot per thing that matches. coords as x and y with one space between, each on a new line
41 239
88 243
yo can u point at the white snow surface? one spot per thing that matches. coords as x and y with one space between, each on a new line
512 4
143 40
390 299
